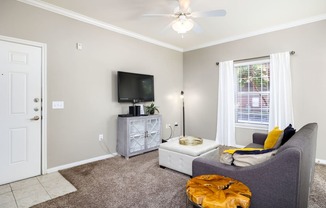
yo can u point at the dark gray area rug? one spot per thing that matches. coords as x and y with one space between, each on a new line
140 182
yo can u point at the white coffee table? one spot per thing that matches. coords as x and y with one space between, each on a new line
179 157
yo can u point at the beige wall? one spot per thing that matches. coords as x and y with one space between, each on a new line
308 78
86 80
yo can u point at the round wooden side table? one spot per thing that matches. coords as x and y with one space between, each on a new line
215 191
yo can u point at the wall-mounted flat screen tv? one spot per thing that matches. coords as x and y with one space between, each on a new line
135 88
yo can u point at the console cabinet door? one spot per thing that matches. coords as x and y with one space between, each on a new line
153 137
136 135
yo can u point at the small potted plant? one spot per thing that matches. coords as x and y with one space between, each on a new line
151 109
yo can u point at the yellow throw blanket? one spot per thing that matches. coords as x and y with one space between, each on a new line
232 151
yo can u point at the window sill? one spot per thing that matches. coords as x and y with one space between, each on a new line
251 126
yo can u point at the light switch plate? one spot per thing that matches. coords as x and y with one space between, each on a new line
58 105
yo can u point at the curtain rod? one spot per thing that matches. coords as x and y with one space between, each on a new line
247 59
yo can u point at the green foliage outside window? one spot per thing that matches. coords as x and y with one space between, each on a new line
253 86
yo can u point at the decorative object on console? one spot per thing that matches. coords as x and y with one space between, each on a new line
134 110
141 109
189 140
151 109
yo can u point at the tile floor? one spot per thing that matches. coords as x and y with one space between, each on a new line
28 192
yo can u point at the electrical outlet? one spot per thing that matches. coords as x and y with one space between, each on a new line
100 137
167 126
176 124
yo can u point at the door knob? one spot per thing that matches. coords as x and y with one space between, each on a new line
35 118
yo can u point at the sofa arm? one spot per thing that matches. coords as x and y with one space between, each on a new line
259 138
269 182
201 166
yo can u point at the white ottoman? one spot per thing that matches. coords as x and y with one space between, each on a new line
179 157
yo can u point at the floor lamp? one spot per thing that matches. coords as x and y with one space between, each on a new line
183 114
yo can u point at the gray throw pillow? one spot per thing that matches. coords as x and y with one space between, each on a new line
244 160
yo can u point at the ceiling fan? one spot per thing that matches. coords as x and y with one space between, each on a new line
183 16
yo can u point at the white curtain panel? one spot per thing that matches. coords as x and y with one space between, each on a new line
225 134
281 107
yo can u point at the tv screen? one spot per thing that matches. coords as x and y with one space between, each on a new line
135 87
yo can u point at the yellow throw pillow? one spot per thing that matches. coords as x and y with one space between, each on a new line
272 138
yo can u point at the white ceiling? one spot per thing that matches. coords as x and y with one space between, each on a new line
244 18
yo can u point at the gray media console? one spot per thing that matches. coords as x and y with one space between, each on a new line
138 134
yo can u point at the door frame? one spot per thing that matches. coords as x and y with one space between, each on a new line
43 48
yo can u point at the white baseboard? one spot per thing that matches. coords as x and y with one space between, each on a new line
319 161
55 169
62 167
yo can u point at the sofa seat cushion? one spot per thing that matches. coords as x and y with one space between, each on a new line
192 150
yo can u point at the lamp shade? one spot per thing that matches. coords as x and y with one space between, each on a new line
182 25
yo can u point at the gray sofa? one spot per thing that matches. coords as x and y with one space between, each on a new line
282 181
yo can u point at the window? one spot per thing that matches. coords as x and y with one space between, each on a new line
252 92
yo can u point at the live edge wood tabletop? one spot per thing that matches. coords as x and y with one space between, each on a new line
215 191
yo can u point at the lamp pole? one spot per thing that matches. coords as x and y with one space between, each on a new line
183 115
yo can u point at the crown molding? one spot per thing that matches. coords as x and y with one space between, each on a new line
95 22
77 16
260 32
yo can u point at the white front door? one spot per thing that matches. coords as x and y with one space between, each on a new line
20 111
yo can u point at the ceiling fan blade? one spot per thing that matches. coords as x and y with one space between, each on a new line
169 26
196 28
184 5
212 13
159 15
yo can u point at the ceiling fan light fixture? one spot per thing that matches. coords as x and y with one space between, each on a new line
182 25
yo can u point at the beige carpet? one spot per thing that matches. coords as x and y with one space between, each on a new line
140 182
121 183
317 197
